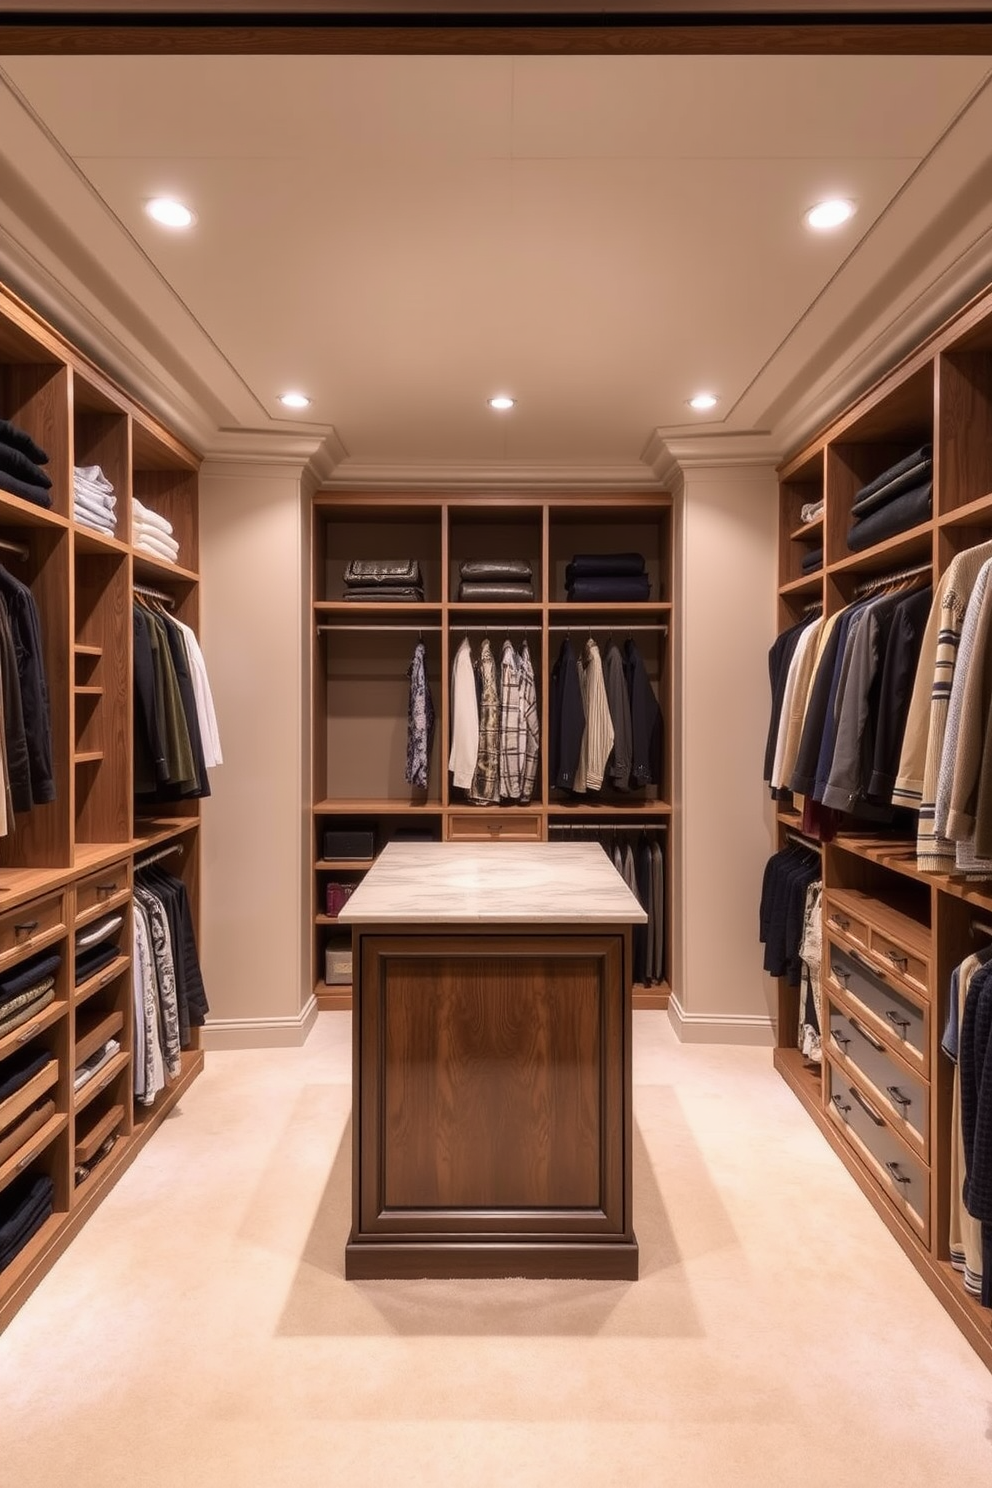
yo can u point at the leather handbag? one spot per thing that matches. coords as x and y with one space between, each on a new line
386 571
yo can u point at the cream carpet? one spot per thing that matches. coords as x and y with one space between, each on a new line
200 1332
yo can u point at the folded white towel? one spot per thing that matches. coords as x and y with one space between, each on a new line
149 518
92 475
159 539
87 519
149 545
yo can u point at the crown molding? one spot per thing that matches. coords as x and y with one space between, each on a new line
667 453
485 477
822 402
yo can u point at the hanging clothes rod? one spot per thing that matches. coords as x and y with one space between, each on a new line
623 629
161 852
607 827
882 581
981 927
517 629
19 550
801 840
158 594
375 628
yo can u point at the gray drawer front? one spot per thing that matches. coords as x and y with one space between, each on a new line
907 1096
905 1178
901 1018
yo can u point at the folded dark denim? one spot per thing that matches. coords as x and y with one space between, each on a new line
908 481
16 463
20 439
88 963
892 472
366 571
896 516
24 1207
473 592
384 594
26 490
594 565
622 588
24 975
812 560
20 1068
503 570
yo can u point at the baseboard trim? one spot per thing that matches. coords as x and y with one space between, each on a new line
756 1031
260 1033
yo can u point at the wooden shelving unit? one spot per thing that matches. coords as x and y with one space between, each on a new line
908 929
69 862
361 652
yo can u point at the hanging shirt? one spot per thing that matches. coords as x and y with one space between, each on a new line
485 779
420 721
531 722
464 719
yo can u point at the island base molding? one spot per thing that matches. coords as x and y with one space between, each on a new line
555 1261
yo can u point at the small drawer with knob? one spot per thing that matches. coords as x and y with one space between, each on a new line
29 928
901 1094
494 826
900 1174
892 1013
839 918
901 959
98 892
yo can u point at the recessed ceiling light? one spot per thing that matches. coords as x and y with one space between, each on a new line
702 401
294 400
170 213
827 214
501 403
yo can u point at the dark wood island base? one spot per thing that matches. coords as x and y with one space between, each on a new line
492 1101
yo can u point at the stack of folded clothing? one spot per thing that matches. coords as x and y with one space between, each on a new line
96 947
377 579
85 1072
152 533
497 580
812 511
812 560
15 1073
894 501
20 462
93 500
24 1207
26 989
619 577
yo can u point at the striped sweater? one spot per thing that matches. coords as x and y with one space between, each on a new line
923 742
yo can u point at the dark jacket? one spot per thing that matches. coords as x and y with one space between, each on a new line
568 718
645 721
25 627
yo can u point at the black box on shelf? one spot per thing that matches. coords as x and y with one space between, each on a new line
343 844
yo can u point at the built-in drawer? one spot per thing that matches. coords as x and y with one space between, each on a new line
903 961
892 1014
902 1095
903 1177
22 929
837 917
102 890
487 826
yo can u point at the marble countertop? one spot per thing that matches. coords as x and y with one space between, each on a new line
541 883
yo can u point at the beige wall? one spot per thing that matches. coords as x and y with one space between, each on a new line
255 831
726 578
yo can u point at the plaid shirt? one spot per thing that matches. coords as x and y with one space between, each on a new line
531 724
485 781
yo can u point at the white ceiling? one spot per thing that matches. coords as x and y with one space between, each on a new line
403 236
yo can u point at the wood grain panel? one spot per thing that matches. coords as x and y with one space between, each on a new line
103 619
491 1082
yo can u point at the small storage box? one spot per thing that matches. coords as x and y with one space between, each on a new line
337 967
340 844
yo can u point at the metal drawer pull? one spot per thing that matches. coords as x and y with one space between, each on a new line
893 1168
898 1097
841 975
869 1038
106 888
868 1109
839 1038
841 921
897 958
23 1163
26 929
896 1019
840 1106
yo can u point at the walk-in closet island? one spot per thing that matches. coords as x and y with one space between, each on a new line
492 1122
